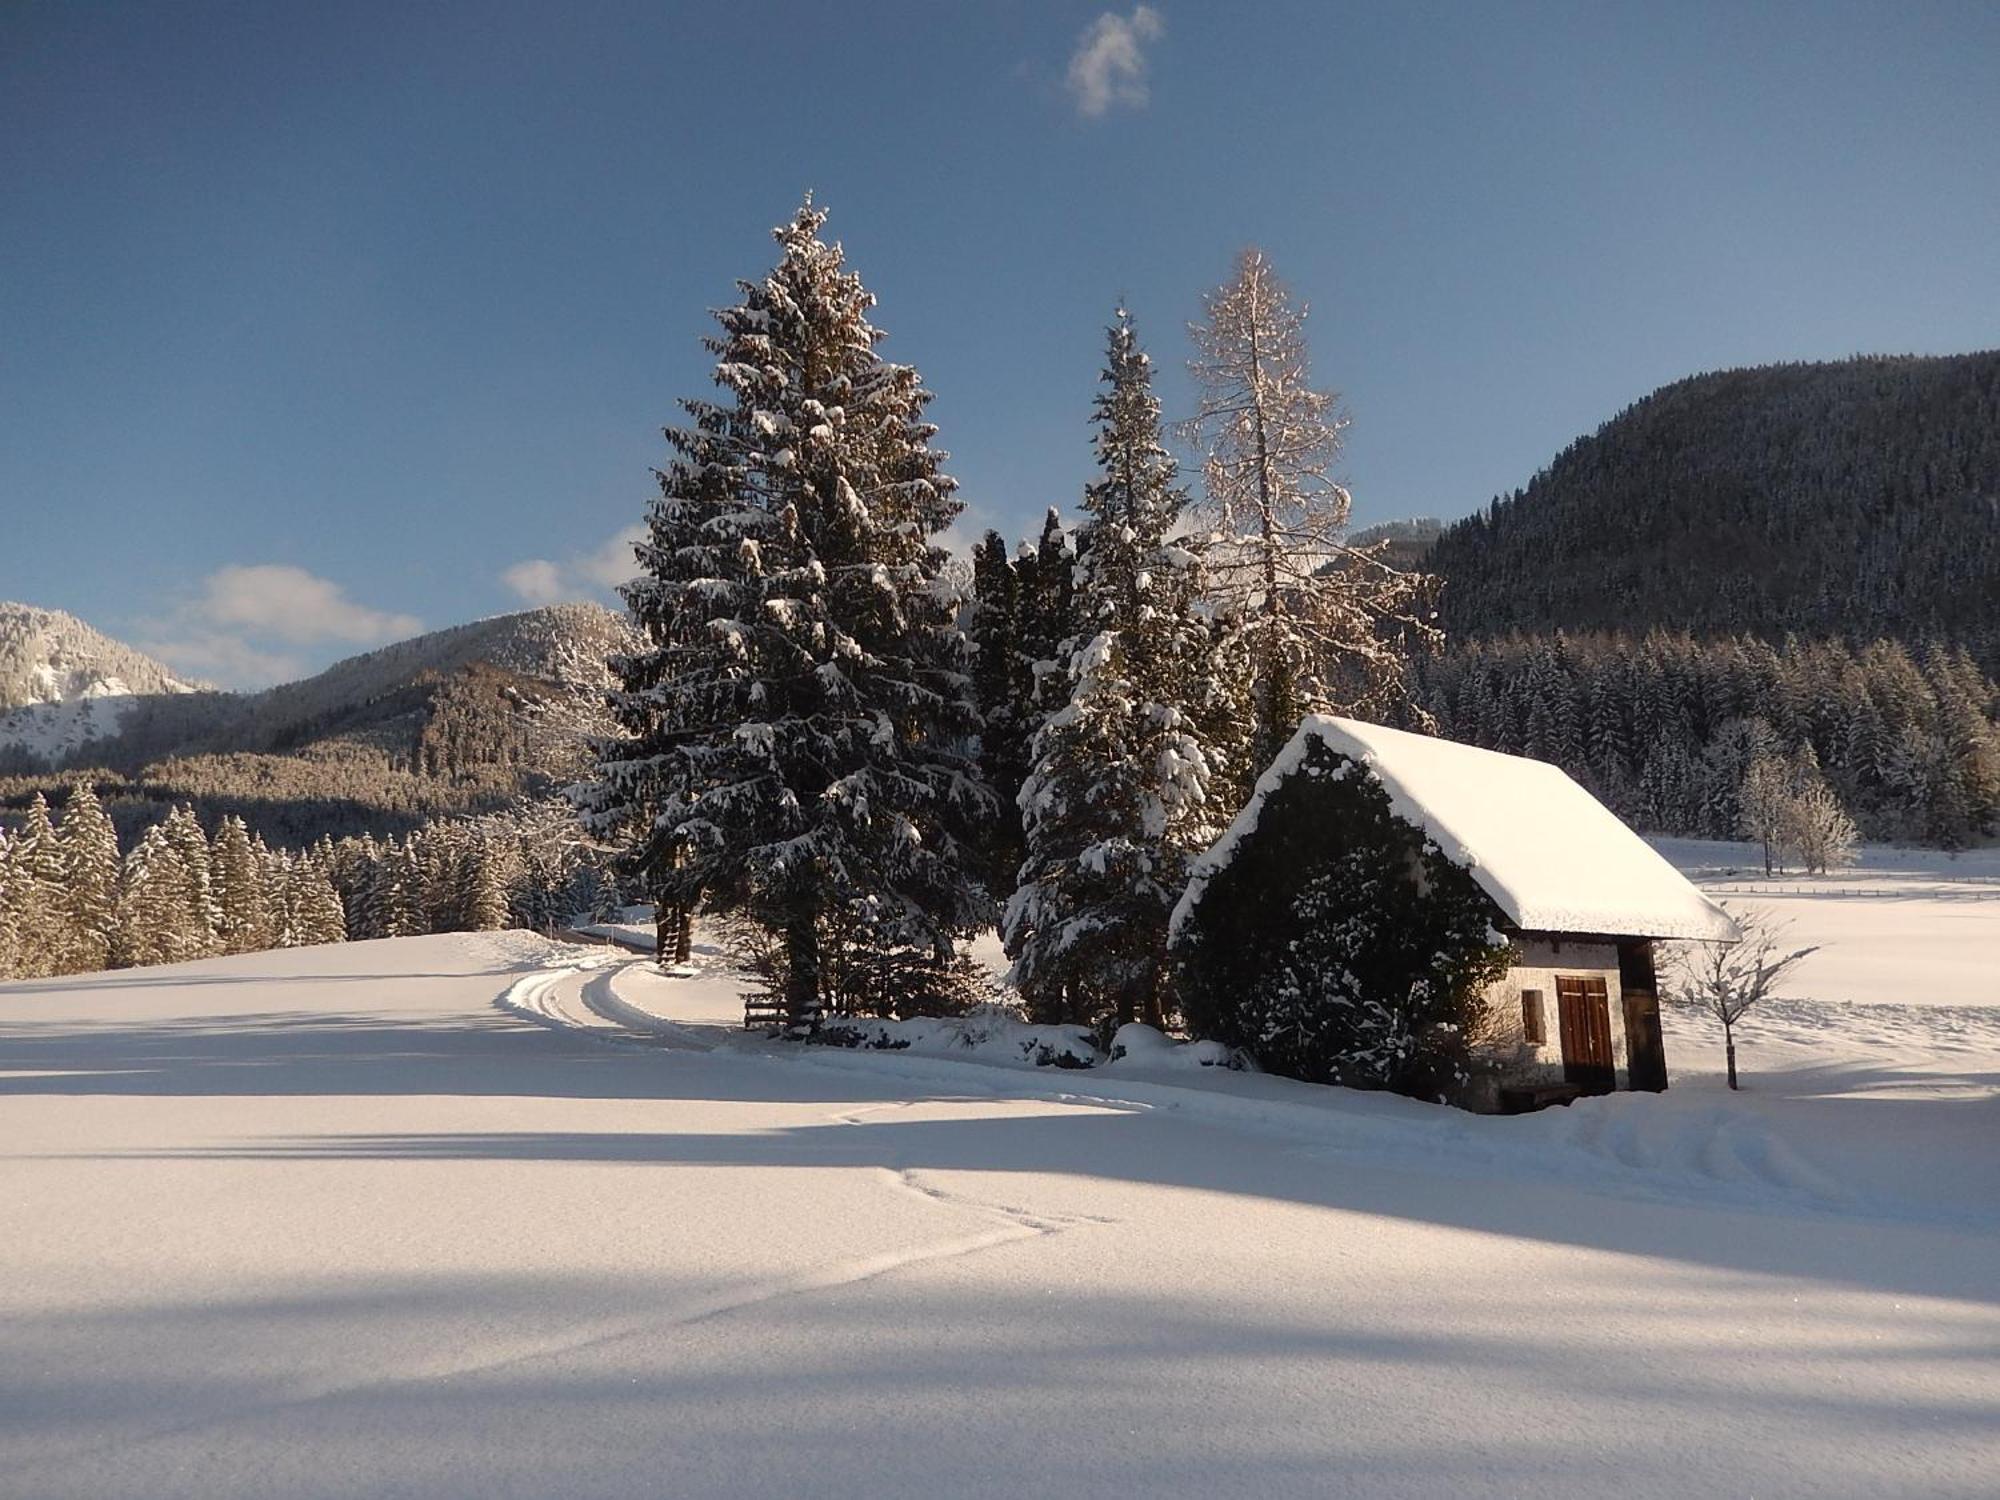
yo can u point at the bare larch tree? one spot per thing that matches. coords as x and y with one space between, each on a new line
1326 627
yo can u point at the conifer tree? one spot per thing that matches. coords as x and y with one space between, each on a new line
160 919
483 901
37 903
395 894
1004 687
796 734
90 881
10 936
321 918
238 884
1326 627
308 906
181 829
1048 621
1116 803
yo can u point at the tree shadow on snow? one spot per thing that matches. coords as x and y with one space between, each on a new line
1608 1212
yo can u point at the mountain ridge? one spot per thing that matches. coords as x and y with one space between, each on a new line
1855 498
452 721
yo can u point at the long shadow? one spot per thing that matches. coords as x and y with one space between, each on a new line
1424 1172
952 1395
295 1054
59 992
1147 1146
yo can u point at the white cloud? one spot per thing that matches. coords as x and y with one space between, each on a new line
235 629
537 580
294 605
1109 65
582 575
225 660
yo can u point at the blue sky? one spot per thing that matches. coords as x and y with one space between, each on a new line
317 323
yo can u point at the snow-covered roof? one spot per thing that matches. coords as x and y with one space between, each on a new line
1552 857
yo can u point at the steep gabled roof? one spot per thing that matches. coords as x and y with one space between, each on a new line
1552 857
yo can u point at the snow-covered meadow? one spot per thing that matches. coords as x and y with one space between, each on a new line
487 1215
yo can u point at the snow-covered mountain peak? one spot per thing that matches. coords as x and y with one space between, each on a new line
63 684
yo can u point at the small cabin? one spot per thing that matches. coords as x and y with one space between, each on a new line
1581 899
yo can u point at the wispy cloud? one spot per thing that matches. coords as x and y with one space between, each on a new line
582 575
1108 67
254 624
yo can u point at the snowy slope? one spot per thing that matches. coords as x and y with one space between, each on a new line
63 685
333 1222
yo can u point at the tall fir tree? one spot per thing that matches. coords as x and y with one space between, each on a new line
183 831
1003 686
90 877
483 900
796 735
10 922
1048 620
37 902
1117 801
396 893
1326 627
239 887
160 915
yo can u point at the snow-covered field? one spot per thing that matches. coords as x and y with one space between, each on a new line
487 1216
1903 927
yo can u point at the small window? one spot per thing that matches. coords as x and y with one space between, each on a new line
1531 1017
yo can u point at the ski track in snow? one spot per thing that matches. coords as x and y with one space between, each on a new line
1019 1226
580 997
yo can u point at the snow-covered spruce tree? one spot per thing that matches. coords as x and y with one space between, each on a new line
396 891
90 881
183 831
1334 941
1049 622
482 902
1325 627
796 735
1002 687
160 917
352 871
309 908
38 873
1117 799
10 936
237 883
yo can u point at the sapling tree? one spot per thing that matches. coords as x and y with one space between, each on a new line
1729 980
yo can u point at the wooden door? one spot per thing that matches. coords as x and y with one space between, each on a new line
1584 1006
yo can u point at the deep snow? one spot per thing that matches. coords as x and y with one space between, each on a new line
463 1216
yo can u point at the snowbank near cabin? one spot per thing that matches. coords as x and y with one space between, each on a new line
995 1034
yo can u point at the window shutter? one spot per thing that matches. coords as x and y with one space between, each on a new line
1532 1026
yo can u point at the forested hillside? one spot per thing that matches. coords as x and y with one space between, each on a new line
1857 500
460 721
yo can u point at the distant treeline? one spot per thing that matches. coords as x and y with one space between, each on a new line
1663 727
75 898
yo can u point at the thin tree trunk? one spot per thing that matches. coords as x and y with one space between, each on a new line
802 999
1729 1046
